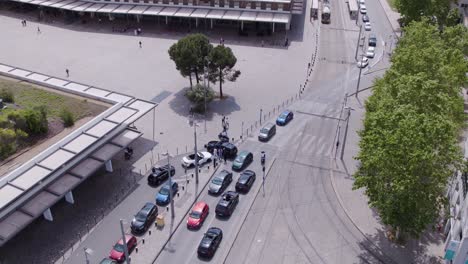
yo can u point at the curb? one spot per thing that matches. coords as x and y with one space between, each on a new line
250 207
340 201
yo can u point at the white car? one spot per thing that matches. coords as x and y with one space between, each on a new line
367 26
362 1
370 52
189 161
363 63
363 9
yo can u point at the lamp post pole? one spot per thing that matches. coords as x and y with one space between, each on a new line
346 132
359 78
124 240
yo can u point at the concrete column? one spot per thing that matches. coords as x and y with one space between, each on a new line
109 166
166 21
288 26
273 27
196 22
211 21
69 197
242 25
462 252
48 215
138 18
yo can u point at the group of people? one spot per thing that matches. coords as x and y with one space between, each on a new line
218 153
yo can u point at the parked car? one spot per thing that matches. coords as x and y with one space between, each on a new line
220 182
267 132
363 62
365 18
211 145
163 196
367 26
210 242
284 118
160 174
363 9
144 218
370 52
107 261
203 157
372 40
198 215
227 204
362 2
229 149
118 251
243 159
245 181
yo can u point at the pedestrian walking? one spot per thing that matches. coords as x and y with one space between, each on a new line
38 30
215 157
22 23
140 44
225 158
67 72
25 22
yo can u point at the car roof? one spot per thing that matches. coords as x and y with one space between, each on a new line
147 207
244 153
286 111
222 174
269 125
199 206
228 145
127 238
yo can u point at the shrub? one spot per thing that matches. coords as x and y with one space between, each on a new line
197 96
7 142
67 117
7 95
36 120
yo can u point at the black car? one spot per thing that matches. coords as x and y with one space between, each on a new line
220 182
245 182
365 18
211 145
229 150
144 218
210 242
108 261
243 159
159 174
372 40
227 204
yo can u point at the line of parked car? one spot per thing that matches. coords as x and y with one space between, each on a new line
229 200
372 40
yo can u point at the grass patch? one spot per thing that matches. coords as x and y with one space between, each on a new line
28 96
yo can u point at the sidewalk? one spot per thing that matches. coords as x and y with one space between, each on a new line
428 249
392 15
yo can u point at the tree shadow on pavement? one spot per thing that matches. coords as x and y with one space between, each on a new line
377 248
94 199
181 106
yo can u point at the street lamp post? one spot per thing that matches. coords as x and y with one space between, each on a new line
171 195
261 116
124 240
346 131
359 78
358 41
196 153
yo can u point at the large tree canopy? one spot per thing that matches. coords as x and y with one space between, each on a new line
408 146
415 10
222 61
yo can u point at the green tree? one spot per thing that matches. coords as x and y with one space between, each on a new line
453 17
415 10
189 55
408 146
199 95
221 62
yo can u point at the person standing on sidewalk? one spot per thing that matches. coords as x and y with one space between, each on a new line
140 44
38 30
67 72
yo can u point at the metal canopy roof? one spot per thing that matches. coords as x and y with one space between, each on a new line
184 12
154 10
232 15
200 13
39 183
216 14
168 11
138 10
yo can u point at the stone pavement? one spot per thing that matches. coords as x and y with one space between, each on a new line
392 15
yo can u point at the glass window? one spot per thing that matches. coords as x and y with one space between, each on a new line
286 7
231 3
243 4
221 3
274 6
263 5
253 5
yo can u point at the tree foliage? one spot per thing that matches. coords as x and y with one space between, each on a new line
415 10
199 95
221 63
189 54
408 146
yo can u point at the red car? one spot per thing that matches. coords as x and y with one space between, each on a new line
118 252
198 215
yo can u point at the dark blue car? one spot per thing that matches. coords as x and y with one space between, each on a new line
163 197
284 118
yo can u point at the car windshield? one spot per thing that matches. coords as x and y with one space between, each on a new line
195 214
164 190
217 181
283 115
119 247
140 216
239 159
264 131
